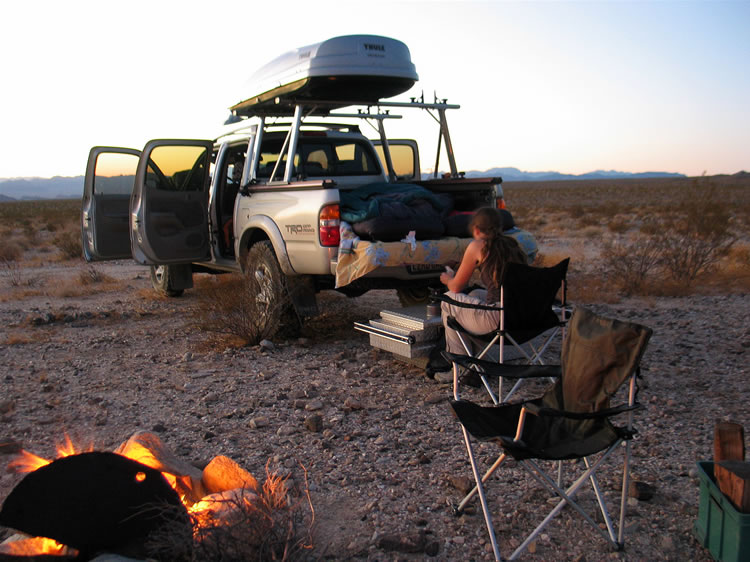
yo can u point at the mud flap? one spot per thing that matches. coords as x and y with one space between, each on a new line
302 292
181 276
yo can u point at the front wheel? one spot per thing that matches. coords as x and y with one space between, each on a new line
161 280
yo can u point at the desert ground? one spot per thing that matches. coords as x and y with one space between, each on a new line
93 352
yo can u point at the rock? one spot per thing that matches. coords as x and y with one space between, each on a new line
443 377
352 404
257 423
436 398
398 543
314 405
463 484
641 490
7 406
314 423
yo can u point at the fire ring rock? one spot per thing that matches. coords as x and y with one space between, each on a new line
92 502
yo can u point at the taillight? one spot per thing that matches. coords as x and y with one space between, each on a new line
329 222
500 203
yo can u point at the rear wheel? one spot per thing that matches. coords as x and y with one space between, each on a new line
161 280
274 308
413 296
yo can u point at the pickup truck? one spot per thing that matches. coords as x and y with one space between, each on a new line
265 196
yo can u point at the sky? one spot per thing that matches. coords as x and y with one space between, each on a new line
559 86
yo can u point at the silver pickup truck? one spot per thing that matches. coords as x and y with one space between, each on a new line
266 195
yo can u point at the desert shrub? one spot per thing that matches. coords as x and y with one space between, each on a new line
10 250
229 305
618 225
701 237
69 244
12 272
629 263
92 276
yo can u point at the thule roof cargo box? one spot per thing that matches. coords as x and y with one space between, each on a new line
348 69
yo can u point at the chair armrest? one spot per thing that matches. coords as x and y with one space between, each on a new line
460 304
495 369
538 410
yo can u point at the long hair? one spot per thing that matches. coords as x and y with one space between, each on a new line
498 249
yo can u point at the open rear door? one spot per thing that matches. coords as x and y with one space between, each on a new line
169 207
110 174
405 158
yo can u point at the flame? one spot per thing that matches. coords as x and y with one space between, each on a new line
34 546
27 462
203 512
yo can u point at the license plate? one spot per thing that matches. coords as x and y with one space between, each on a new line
424 268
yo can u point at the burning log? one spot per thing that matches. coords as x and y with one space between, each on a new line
92 502
223 474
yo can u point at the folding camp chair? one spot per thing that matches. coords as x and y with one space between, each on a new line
531 316
570 421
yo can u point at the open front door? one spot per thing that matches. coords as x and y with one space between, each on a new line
169 207
110 174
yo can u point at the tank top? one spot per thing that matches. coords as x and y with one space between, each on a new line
485 276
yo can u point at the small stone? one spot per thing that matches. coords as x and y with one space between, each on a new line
444 377
257 423
461 483
436 398
7 406
314 405
641 490
352 404
314 423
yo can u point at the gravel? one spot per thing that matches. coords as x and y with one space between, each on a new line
383 456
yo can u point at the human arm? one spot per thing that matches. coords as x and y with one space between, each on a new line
458 281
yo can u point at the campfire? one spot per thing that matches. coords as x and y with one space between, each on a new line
142 500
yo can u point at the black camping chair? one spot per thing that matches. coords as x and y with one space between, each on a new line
531 316
570 421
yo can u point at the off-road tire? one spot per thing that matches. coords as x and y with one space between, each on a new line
413 296
274 306
161 281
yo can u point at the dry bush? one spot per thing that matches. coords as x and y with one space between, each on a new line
10 250
12 272
228 305
618 225
69 244
700 237
274 524
630 263
92 276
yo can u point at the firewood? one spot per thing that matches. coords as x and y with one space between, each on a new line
729 445
729 442
149 449
223 474
736 482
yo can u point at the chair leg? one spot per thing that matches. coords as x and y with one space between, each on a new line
486 477
482 497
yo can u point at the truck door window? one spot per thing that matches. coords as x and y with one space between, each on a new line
402 156
177 168
115 173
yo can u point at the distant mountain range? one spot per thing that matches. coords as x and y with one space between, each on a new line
63 187
514 174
